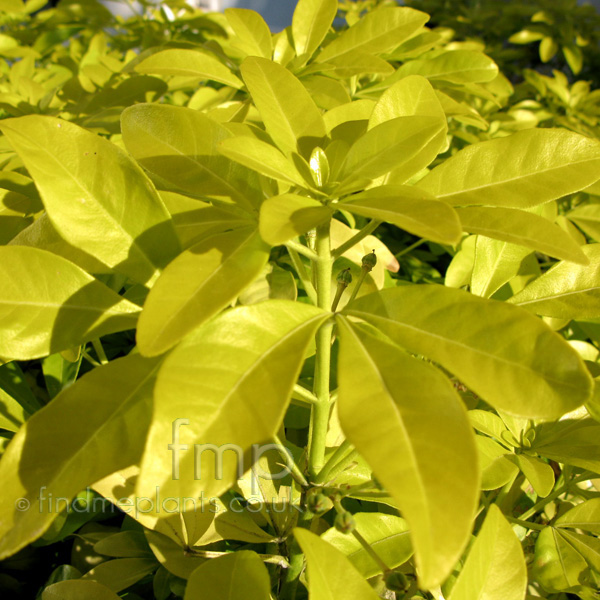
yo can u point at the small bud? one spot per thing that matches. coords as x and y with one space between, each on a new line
344 522
345 277
319 504
319 167
369 261
396 582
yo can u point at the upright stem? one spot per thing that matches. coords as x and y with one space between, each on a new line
320 412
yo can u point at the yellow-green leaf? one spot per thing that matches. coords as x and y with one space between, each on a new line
378 31
519 171
199 283
401 430
48 304
506 356
310 24
232 393
409 208
91 429
523 228
495 568
188 63
178 146
285 217
330 573
290 115
97 198
237 576
388 535
252 34
567 290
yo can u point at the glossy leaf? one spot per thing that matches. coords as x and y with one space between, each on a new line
411 96
377 32
483 343
566 291
252 34
188 63
236 576
199 283
388 535
496 469
409 208
525 169
571 441
290 116
120 220
495 263
585 516
495 568
263 158
523 228
539 474
232 393
330 573
455 66
401 431
557 565
402 145
178 146
101 423
285 217
48 304
310 24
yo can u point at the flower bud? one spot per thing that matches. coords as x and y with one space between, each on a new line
319 504
344 522
396 581
345 277
369 261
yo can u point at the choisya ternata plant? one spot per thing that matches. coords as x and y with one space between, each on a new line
364 427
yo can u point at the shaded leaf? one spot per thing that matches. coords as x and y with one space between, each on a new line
101 423
233 394
48 304
199 283
120 220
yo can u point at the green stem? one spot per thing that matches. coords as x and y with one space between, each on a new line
342 450
91 360
296 558
341 288
369 550
300 249
294 470
555 494
361 235
526 524
97 344
409 248
309 288
361 279
305 395
320 412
